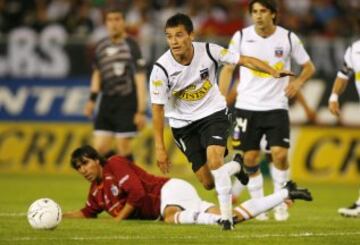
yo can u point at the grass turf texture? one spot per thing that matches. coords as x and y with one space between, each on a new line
310 223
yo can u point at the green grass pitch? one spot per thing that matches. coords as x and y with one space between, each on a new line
310 223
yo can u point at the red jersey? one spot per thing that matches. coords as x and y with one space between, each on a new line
124 182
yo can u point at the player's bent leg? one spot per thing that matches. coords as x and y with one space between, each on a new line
181 204
169 214
222 179
103 141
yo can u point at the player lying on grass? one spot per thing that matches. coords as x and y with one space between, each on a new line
126 191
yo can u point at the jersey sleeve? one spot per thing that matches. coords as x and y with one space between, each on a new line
137 55
347 69
234 44
158 86
91 209
129 182
223 55
298 52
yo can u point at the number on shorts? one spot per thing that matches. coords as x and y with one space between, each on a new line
242 123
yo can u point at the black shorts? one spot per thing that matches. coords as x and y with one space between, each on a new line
114 118
196 137
250 126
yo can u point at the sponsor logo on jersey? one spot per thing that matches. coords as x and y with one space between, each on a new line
217 137
192 94
279 52
114 190
250 41
278 66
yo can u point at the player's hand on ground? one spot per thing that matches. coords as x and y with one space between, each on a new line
89 109
162 161
283 73
334 108
140 120
292 88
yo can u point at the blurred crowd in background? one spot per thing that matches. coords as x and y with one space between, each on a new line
214 20
82 18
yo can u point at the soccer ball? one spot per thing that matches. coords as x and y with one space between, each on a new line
44 213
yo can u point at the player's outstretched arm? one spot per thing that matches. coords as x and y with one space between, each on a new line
74 214
160 150
256 64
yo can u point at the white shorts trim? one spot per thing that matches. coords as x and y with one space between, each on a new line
181 193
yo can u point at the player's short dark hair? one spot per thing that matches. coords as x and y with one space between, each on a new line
114 11
85 151
180 19
269 4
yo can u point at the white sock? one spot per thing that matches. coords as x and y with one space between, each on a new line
232 167
237 188
279 177
222 181
255 186
256 206
191 217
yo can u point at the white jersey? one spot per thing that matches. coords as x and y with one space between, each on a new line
259 91
190 92
352 64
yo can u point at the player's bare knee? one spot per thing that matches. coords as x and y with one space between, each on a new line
280 159
169 214
208 185
250 160
169 219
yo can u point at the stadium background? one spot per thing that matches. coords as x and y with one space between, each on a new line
46 49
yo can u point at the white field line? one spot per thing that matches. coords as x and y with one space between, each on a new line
181 237
12 214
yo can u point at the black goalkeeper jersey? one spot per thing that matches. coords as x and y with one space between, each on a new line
118 63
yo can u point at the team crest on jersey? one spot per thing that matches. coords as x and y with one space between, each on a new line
279 52
114 190
204 74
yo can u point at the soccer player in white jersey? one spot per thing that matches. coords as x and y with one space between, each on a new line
183 87
262 102
350 68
